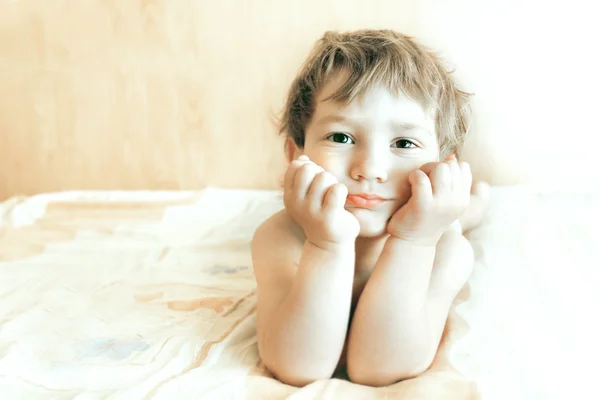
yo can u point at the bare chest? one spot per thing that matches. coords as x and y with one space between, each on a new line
367 255
362 273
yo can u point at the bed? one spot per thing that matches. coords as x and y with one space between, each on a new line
150 294
139 285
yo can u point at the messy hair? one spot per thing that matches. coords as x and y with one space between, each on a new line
380 57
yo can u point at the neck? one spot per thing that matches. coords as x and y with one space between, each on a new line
368 249
363 242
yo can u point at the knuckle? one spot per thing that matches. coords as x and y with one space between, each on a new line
338 187
322 176
294 165
320 184
329 177
304 169
304 173
442 171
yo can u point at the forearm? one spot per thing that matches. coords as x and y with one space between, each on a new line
305 337
391 332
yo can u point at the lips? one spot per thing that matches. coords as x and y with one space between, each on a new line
365 200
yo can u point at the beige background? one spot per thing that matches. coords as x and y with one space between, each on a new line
102 94
535 71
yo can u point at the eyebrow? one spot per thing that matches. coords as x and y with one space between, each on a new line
332 118
407 126
397 126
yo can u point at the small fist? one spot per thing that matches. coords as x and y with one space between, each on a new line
441 192
315 200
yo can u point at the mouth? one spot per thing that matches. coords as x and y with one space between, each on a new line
365 200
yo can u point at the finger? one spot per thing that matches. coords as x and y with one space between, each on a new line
467 177
429 167
290 176
293 168
420 187
335 197
304 178
316 192
440 179
456 181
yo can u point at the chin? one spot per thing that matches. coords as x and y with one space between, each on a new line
371 227
370 232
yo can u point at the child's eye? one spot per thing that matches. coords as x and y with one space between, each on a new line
340 138
404 144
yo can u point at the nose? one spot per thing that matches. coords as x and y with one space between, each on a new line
370 165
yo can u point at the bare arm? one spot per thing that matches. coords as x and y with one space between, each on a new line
305 279
302 311
402 312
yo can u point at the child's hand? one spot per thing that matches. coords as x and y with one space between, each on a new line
315 199
441 192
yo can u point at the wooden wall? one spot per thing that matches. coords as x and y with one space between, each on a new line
114 94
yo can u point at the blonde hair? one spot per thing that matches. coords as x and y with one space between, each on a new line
378 57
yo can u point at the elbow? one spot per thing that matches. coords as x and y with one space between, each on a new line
294 368
388 372
295 372
380 377
297 376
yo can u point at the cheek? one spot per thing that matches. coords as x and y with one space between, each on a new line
400 177
401 184
331 161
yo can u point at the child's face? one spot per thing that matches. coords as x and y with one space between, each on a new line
371 145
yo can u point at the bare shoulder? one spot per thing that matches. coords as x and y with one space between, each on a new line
276 250
279 239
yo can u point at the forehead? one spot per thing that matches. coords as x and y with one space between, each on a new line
375 103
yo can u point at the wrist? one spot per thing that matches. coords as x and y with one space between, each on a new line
331 246
425 241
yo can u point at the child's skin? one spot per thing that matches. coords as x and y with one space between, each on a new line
344 281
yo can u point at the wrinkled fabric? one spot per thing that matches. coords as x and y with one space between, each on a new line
127 295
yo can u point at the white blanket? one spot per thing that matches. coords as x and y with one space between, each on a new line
128 295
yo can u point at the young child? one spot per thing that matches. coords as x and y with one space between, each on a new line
360 268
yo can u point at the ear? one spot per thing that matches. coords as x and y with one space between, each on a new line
291 150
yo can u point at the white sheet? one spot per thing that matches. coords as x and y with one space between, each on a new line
151 295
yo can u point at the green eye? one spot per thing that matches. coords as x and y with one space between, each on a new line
404 144
340 138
